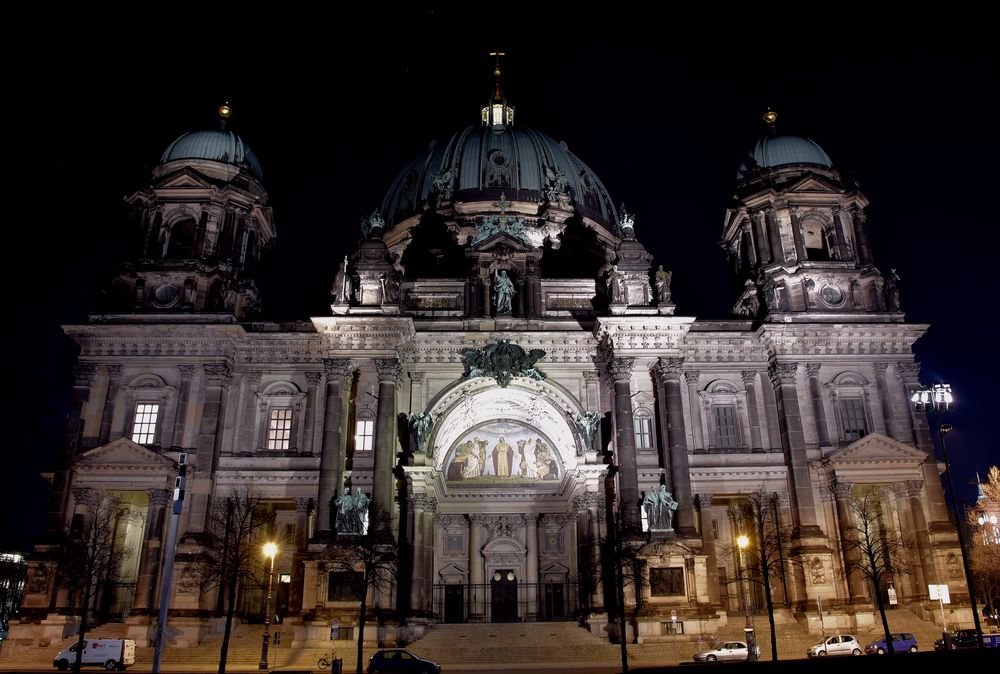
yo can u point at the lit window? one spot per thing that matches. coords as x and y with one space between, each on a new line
364 435
852 414
644 433
144 423
279 428
725 426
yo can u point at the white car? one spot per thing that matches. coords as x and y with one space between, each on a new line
838 644
731 650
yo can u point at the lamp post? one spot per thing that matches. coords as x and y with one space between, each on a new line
270 550
742 541
937 398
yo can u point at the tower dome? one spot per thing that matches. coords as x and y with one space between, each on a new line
778 151
219 145
478 164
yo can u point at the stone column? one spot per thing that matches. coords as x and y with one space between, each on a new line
750 384
774 235
246 422
591 384
912 491
476 591
708 545
793 441
668 375
214 380
886 400
908 374
423 538
337 371
620 370
842 240
760 236
312 381
183 399
845 522
748 243
114 381
771 415
816 393
694 401
800 249
590 506
418 394
152 548
531 563
385 431
861 235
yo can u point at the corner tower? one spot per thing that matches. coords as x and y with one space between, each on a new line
202 226
797 236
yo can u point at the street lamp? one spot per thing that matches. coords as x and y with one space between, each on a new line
270 550
937 398
742 541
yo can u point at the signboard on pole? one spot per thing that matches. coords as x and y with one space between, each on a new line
334 629
673 615
939 592
892 595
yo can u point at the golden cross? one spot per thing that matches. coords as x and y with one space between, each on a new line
498 54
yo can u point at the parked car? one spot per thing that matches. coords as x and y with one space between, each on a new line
111 654
391 660
731 650
966 638
902 642
838 644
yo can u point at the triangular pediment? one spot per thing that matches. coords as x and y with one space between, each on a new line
123 454
184 178
814 183
875 449
505 239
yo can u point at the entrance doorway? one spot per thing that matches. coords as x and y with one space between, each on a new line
503 596
454 603
555 601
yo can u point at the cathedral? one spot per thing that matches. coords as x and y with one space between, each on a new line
502 375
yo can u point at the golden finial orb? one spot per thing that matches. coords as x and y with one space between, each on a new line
770 117
225 112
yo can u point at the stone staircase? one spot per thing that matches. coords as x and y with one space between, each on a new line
902 619
516 645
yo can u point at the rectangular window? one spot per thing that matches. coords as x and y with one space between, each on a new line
344 586
364 435
725 425
279 429
144 423
852 412
666 582
643 433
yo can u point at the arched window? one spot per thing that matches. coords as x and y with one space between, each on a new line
724 403
181 238
278 427
849 394
815 239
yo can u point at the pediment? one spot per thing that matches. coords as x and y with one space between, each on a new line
123 454
184 178
506 240
814 183
875 449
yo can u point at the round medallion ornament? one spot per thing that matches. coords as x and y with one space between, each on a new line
165 295
832 295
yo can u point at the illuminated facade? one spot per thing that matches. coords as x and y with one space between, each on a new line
503 369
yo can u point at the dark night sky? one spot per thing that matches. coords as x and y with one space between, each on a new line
662 107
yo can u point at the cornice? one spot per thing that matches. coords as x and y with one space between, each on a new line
378 334
838 339
642 335
447 347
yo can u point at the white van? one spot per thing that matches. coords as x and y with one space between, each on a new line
111 654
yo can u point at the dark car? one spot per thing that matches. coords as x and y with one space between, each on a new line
390 660
966 638
902 642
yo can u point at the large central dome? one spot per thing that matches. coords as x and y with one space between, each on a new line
478 163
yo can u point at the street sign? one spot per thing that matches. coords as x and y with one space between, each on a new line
939 592
892 595
673 614
334 629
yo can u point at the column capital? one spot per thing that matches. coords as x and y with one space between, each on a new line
692 377
587 500
912 488
704 500
313 378
749 377
425 503
842 489
158 497
186 371
880 369
812 369
908 373
620 369
337 368
417 377
784 373
304 505
114 371
591 376
216 374
669 368
84 495
388 370
252 377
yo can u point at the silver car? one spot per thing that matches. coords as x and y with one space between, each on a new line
838 644
731 650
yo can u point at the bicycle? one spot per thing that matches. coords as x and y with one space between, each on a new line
327 662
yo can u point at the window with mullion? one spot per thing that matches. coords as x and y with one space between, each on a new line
279 429
725 426
144 423
364 435
852 413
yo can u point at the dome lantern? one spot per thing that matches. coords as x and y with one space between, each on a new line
497 113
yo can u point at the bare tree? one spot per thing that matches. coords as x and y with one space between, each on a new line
766 556
232 558
367 562
13 573
984 543
621 550
872 550
93 555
